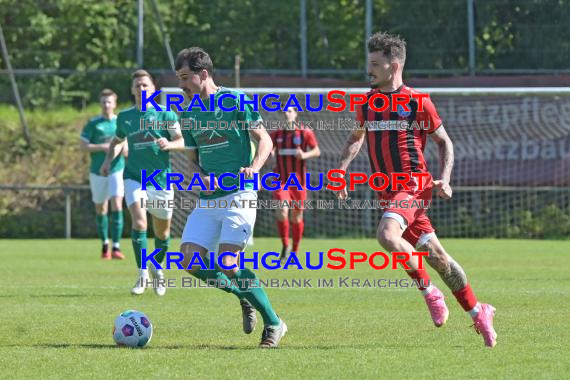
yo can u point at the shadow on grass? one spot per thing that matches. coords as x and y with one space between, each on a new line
59 295
196 347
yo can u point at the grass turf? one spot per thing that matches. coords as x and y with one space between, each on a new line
58 302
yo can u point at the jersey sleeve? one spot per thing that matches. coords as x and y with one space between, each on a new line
173 131
120 132
430 116
87 133
310 140
249 115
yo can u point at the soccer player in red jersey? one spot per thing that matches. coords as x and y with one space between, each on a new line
293 146
402 151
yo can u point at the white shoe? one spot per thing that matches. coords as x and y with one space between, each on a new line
159 290
140 285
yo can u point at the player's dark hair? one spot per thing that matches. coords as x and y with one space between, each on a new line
107 92
196 59
392 46
142 73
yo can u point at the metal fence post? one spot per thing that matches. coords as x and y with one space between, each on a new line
471 35
67 193
140 34
367 34
303 32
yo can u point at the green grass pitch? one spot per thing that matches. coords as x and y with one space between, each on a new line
58 301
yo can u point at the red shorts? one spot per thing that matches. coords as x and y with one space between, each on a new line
292 194
416 217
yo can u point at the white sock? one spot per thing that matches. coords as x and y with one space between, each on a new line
427 290
143 273
106 242
116 245
473 312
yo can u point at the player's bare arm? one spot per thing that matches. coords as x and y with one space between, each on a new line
445 149
176 144
116 146
313 153
88 147
264 148
349 152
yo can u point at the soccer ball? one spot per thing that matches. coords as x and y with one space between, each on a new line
132 329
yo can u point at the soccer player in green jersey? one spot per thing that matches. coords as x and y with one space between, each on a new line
225 151
148 149
95 139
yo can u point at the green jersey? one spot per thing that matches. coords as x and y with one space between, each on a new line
144 152
99 130
223 144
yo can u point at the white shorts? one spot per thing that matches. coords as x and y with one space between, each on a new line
209 227
104 188
134 193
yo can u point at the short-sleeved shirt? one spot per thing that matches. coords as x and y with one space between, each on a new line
223 145
100 130
286 142
399 151
144 152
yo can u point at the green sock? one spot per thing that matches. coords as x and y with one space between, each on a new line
217 275
102 227
163 245
138 239
117 227
257 297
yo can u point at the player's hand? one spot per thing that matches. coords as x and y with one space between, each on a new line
163 143
300 155
104 169
248 171
206 180
341 194
442 189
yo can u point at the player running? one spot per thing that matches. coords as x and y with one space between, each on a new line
292 147
402 151
95 138
221 151
148 149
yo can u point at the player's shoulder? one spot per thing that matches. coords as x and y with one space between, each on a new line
305 130
164 114
95 120
228 90
127 112
407 90
236 93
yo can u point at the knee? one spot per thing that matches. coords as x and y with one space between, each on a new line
101 209
187 253
116 205
282 214
139 224
162 235
297 216
388 239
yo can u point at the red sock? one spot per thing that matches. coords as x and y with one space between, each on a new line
466 298
297 234
283 227
422 277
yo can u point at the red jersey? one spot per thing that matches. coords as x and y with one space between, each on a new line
286 142
391 148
